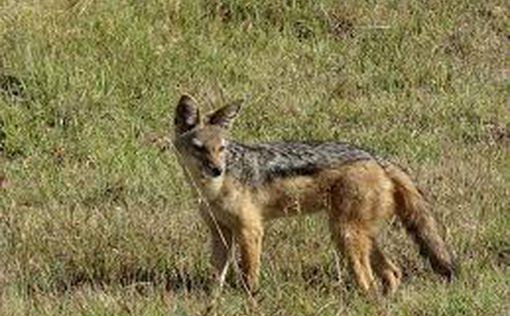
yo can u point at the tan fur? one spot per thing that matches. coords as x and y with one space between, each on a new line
357 196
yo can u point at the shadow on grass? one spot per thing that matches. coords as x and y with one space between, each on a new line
140 279
323 277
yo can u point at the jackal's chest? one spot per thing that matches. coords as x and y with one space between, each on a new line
228 201
210 188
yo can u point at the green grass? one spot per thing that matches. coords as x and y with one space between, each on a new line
96 219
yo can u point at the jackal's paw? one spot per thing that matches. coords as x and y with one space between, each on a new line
391 279
250 285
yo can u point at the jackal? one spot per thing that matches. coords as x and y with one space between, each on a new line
241 186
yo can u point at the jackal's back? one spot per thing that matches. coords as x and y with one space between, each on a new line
257 164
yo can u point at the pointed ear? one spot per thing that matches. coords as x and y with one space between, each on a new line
187 115
225 116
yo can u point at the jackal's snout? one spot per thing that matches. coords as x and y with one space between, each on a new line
214 171
213 163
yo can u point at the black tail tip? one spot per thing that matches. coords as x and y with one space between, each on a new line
448 270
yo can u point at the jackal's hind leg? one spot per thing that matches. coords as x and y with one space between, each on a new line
355 245
389 273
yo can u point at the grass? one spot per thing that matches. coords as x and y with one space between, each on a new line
96 218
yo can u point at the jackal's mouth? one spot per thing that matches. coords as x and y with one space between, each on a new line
212 172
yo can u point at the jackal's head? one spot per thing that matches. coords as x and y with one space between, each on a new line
201 144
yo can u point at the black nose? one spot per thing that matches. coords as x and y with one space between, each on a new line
216 172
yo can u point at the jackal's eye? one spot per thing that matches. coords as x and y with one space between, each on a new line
222 148
198 145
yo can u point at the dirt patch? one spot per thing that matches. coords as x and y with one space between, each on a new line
11 86
498 134
341 27
500 252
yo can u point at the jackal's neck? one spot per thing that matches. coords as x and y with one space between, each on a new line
210 188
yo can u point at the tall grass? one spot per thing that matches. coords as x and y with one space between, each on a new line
96 218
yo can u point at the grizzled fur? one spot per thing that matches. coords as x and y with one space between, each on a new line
241 186
258 164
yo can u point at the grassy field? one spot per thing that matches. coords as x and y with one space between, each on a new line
95 216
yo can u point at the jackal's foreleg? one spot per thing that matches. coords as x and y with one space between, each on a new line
249 238
221 246
222 253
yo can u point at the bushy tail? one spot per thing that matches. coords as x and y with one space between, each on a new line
413 211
